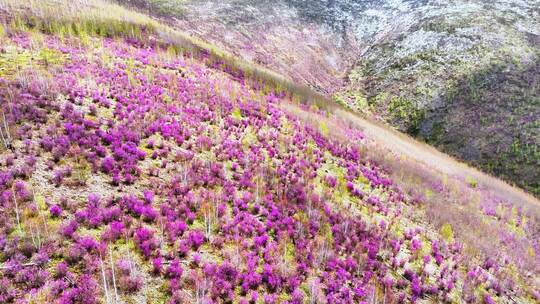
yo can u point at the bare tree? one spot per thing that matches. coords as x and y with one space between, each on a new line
5 134
104 278
113 276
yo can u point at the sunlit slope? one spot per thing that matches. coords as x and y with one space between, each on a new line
135 170
459 75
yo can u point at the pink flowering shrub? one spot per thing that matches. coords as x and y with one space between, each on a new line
204 188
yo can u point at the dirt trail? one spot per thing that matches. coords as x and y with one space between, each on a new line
404 145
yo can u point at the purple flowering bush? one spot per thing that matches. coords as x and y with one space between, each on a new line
163 176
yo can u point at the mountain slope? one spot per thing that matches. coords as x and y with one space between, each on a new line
136 170
460 75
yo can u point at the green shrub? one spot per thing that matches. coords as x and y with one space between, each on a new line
81 171
471 181
405 110
447 232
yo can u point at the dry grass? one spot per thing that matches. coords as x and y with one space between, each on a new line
449 201
99 17
404 146
441 198
75 10
104 18
109 19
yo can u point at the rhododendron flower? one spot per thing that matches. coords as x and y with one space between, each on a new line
144 238
174 270
56 210
69 229
157 265
208 173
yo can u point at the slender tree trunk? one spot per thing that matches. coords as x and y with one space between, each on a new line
105 289
113 276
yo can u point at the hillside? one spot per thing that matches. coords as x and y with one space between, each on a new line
460 75
140 166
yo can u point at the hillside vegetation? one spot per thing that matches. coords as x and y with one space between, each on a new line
460 75
139 165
